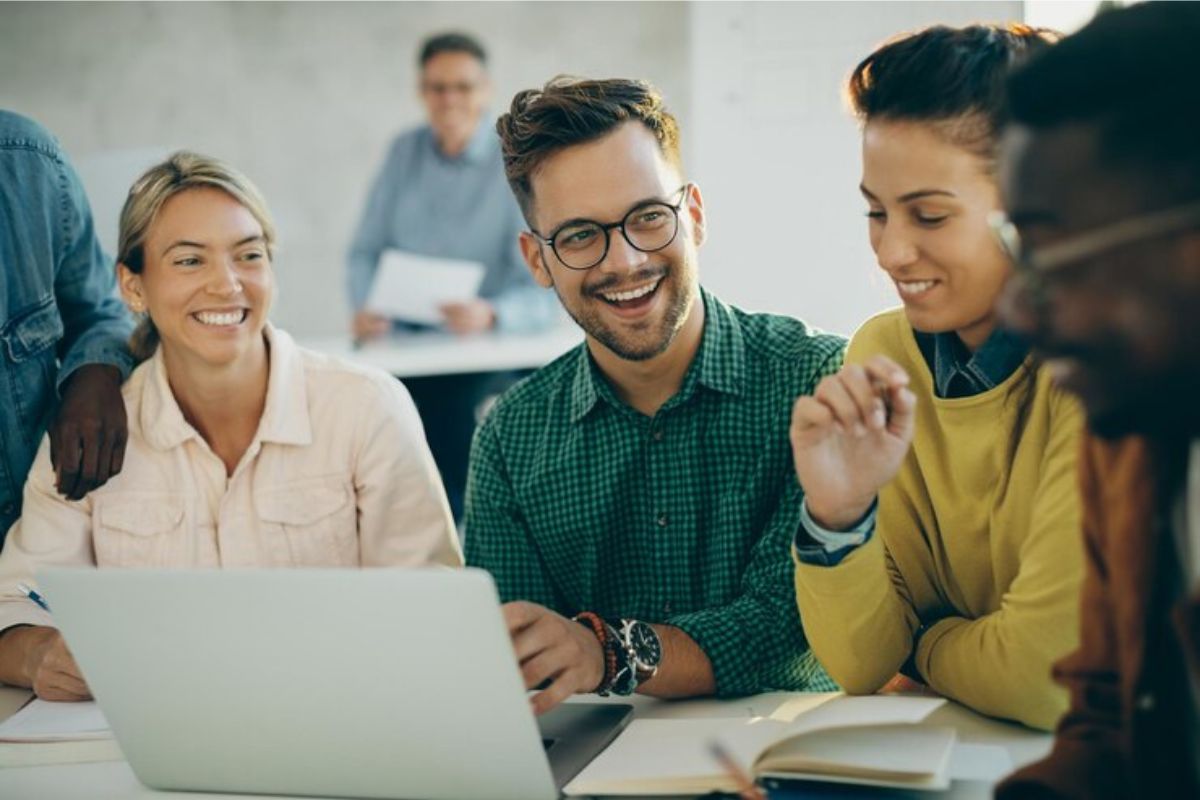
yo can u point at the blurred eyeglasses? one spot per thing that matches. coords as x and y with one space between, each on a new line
1035 267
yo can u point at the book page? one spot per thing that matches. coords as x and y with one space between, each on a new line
44 721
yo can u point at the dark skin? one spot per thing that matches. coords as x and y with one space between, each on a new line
89 431
1118 328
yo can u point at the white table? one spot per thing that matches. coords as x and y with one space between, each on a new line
412 355
109 776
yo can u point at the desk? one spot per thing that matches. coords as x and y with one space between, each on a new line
113 780
413 355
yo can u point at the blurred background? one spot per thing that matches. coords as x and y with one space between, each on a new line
305 97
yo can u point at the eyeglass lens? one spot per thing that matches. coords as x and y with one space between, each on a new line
647 228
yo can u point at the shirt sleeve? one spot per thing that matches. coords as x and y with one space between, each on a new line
756 642
497 537
403 516
818 545
52 532
95 323
371 236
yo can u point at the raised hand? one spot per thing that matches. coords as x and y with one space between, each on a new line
849 437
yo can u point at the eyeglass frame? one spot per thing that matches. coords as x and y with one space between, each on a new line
1034 267
607 229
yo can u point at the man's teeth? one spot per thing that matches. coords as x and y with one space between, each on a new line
632 294
227 318
915 287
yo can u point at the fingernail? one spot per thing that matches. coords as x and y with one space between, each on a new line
879 419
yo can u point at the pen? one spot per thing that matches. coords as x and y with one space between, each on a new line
34 596
746 788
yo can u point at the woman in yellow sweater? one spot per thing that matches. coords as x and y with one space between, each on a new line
941 523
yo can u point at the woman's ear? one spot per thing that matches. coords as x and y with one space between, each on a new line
131 288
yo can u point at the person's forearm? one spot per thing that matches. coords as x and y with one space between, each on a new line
17 647
685 670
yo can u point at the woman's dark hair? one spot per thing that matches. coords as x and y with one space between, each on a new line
951 78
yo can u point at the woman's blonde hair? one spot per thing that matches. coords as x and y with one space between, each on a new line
179 173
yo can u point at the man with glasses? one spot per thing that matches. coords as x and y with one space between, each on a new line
441 192
1102 185
633 499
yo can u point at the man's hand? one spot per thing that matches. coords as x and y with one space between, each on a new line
87 438
367 325
52 671
849 438
473 316
553 648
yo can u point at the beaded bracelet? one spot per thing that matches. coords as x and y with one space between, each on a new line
597 625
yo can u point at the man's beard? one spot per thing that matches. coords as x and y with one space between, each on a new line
679 297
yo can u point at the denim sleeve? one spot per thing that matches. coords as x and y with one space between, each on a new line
817 545
96 325
371 236
522 306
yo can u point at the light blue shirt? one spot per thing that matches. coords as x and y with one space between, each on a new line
58 307
426 203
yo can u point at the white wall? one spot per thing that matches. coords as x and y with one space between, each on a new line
776 152
303 97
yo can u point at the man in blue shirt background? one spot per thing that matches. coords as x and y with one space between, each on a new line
442 193
63 332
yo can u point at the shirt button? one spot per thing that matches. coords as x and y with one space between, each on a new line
662 520
667 607
1145 702
658 436
8 509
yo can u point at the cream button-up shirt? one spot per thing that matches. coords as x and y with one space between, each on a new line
338 475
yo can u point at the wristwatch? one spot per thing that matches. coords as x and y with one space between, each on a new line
642 647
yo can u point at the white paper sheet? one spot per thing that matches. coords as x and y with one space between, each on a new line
410 287
43 721
979 762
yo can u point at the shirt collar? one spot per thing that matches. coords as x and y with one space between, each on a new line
478 149
719 364
284 419
993 363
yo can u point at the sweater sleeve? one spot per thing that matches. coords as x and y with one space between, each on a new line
1087 762
1000 663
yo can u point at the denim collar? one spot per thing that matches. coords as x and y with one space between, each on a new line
957 372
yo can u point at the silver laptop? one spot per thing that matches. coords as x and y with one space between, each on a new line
352 683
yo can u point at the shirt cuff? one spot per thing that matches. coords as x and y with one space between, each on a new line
113 355
823 547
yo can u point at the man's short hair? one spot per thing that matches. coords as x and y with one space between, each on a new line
1129 72
569 111
451 43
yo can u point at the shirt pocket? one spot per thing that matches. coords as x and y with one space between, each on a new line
310 523
27 343
143 530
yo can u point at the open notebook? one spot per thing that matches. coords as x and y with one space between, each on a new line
864 740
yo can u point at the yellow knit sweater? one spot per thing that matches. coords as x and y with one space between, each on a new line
984 545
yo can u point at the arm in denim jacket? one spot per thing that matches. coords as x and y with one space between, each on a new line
96 325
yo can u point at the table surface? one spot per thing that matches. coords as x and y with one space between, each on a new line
53 771
412 355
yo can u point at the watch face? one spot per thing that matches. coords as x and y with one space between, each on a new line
646 646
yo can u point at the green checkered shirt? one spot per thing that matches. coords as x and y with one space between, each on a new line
578 502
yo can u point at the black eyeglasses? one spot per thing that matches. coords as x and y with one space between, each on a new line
649 227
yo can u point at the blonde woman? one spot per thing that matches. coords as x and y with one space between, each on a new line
244 449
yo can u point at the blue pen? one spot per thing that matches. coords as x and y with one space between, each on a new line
34 596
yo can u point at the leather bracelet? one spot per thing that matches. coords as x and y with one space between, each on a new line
601 630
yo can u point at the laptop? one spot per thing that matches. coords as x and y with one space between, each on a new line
397 683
